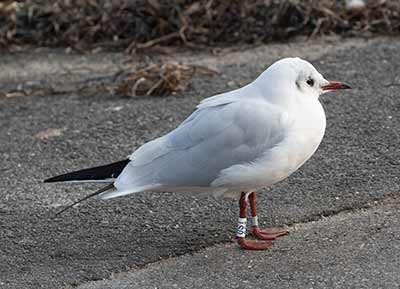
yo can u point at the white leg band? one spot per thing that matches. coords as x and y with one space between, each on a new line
241 228
254 221
247 197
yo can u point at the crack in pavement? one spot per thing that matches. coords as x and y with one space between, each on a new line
326 240
333 216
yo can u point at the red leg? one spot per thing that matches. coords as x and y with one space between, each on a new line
241 231
266 234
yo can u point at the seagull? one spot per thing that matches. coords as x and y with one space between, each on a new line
233 144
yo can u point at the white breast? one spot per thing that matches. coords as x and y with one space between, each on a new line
302 141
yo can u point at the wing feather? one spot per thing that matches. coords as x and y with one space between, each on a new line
212 139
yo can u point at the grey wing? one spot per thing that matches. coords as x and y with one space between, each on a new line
210 140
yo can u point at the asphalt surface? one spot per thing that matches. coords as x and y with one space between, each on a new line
356 164
359 249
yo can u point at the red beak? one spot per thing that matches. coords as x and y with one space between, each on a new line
334 85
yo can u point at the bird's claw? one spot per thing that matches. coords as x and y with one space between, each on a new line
253 244
268 234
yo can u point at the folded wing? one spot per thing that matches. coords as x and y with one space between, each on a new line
212 139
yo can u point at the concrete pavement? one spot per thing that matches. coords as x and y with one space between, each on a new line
354 249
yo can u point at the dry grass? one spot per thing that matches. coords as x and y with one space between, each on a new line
136 25
152 80
139 24
159 79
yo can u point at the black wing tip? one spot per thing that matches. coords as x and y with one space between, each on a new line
59 178
51 180
62 178
96 173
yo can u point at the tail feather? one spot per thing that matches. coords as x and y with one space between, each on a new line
102 173
98 192
109 194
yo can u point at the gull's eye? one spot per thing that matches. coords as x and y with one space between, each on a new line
310 82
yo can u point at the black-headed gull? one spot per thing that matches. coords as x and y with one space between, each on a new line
233 144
